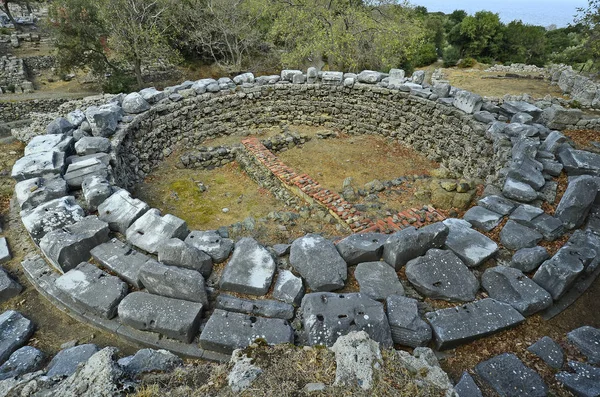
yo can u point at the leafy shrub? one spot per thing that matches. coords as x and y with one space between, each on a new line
467 63
451 56
119 82
426 55
10 88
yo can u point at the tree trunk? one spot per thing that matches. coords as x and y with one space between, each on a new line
138 72
12 20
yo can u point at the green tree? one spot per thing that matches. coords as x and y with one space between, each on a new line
524 44
590 18
480 35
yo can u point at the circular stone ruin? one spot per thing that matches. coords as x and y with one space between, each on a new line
117 264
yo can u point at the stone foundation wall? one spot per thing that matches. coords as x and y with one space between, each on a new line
13 111
441 132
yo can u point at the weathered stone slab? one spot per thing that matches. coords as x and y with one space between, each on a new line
318 262
497 204
408 329
92 289
332 78
15 331
150 360
9 288
579 162
33 192
92 145
104 119
95 191
442 275
361 247
76 117
585 382
525 214
369 77
134 103
66 361
174 318
527 171
410 243
549 351
515 107
59 126
173 282
121 259
482 218
587 340
250 269
150 230
226 331
69 246
50 216
120 210
175 252
212 243
327 316
152 95
519 191
457 325
104 158
38 164
49 143
377 280
79 171
244 78
288 288
24 360
577 201
5 255
472 247
509 377
466 387
467 101
259 307
509 285
529 259
558 273
515 236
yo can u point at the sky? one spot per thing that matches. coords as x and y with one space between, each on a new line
537 12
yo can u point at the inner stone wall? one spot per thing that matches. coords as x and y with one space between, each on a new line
441 132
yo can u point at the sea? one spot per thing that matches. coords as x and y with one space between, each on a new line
534 12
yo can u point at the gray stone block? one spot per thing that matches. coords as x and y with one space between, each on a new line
472 247
15 331
79 171
529 259
525 214
515 236
76 117
327 316
49 143
577 201
104 158
5 255
288 288
418 76
50 216
134 103
550 227
66 361
318 262
410 243
24 360
92 145
152 95
587 340
244 78
33 192
466 387
175 252
226 331
174 318
38 165
467 101
442 275
150 360
407 327
509 377
69 246
515 107
457 325
259 307
92 289
527 171
281 249
497 204
549 351
509 285
579 162
212 243
557 274
332 78
173 282
482 218
519 191
104 119
121 259
59 126
377 280
361 247
369 77
150 230
120 210
250 269
9 288
585 382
